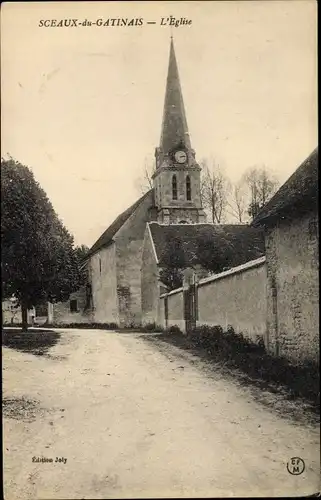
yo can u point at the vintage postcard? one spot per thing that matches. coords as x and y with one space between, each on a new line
159 233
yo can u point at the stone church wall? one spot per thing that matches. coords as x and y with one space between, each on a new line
164 187
293 287
183 215
129 242
149 283
104 285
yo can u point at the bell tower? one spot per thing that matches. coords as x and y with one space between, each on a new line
177 176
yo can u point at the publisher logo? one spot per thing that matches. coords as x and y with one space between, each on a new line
295 466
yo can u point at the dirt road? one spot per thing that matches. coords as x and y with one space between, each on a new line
128 419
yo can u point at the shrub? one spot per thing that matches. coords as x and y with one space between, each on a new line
174 329
225 344
151 327
253 359
94 326
7 324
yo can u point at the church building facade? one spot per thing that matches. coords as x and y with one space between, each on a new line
114 261
123 265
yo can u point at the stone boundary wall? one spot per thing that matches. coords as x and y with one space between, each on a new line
236 298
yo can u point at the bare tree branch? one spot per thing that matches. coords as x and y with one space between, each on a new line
238 201
145 182
262 185
215 187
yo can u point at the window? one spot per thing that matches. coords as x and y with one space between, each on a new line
174 187
99 265
188 188
42 310
73 306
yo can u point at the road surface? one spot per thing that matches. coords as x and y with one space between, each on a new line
129 419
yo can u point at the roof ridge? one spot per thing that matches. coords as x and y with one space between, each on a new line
106 237
248 241
299 184
212 224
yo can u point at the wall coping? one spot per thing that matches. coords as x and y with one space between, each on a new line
192 223
235 270
177 290
230 272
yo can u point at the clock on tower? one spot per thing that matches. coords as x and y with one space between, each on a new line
180 156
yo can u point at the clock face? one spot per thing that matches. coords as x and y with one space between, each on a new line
180 156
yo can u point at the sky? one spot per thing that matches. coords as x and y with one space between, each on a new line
82 106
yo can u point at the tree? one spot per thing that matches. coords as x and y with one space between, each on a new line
171 277
262 185
215 187
39 262
81 253
238 201
145 182
211 257
173 263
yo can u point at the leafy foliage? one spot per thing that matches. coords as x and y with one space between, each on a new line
171 277
213 258
171 274
81 252
39 262
174 330
252 358
236 351
205 255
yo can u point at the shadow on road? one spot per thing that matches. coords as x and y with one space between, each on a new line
35 341
277 397
21 408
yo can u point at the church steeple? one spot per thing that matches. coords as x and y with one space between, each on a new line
174 126
177 176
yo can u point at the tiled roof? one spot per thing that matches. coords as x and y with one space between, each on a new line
247 241
297 193
107 237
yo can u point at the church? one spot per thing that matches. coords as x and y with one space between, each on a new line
121 270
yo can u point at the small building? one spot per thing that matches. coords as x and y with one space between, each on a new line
76 310
11 313
290 222
38 315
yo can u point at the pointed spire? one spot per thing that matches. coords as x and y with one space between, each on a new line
174 126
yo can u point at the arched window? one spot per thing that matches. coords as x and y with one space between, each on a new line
188 188
174 187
